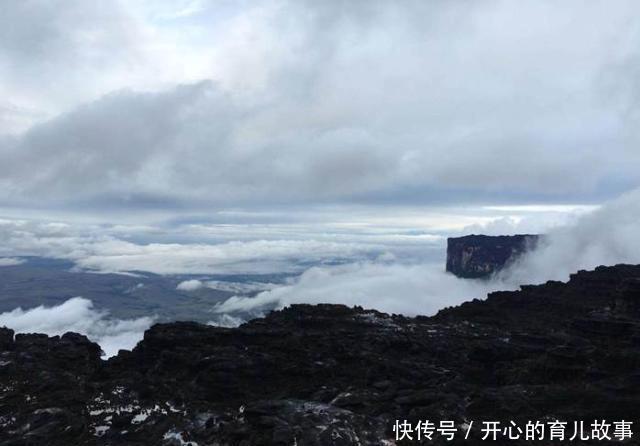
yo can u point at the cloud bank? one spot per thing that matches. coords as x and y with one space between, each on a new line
392 288
190 285
315 102
218 248
78 315
10 261
604 236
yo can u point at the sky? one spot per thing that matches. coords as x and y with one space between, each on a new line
342 141
214 104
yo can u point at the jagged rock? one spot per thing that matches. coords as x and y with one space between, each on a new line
333 375
6 338
479 256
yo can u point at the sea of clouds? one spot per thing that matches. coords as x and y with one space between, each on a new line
605 236
78 315
377 270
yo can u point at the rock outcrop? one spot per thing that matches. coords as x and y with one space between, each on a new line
480 256
333 375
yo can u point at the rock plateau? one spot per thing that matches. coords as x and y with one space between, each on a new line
333 375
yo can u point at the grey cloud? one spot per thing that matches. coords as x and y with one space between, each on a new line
53 53
355 101
39 32
220 249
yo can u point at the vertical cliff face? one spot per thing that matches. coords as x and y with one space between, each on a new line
479 256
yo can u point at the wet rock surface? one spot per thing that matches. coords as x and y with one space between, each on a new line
480 256
333 375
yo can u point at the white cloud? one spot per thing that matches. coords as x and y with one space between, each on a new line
78 315
606 236
261 256
384 265
227 321
224 247
190 285
10 261
392 288
270 242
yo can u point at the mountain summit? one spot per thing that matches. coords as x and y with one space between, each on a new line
333 375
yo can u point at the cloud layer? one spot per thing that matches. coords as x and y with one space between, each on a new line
78 315
605 236
266 241
392 288
406 284
312 102
10 261
224 247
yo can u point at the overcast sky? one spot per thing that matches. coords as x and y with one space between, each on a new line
206 136
215 104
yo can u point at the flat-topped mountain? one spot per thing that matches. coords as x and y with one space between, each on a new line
333 375
480 256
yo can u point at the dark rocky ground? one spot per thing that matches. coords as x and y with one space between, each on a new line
332 375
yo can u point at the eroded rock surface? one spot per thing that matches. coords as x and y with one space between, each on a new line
480 256
332 375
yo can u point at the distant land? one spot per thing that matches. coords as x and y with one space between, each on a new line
44 281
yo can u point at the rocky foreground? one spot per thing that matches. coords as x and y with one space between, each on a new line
332 375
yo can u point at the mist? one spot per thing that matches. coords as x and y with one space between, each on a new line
604 236
607 236
78 315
